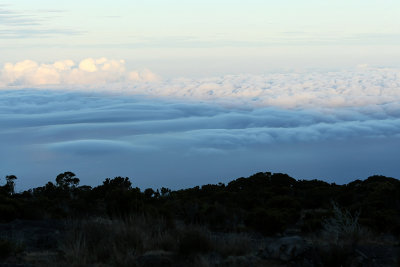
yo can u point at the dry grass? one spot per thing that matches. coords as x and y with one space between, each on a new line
336 243
235 244
122 242
114 241
343 227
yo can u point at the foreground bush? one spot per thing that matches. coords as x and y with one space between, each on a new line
9 248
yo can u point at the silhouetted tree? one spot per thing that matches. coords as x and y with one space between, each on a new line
117 183
165 191
264 202
10 184
149 192
67 180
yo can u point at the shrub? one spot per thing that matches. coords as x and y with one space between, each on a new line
101 241
8 209
116 241
313 220
234 244
8 248
194 240
340 234
267 221
343 226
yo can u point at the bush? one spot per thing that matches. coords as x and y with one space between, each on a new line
116 241
313 220
267 221
343 226
194 240
8 248
101 241
8 210
234 244
341 234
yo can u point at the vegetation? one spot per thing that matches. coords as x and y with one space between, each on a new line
116 224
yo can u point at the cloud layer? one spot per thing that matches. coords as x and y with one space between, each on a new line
99 119
352 88
361 86
176 143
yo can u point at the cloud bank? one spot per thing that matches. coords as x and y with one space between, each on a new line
361 86
99 119
176 143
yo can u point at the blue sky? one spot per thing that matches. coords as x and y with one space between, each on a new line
180 93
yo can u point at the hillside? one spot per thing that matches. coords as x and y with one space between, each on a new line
261 220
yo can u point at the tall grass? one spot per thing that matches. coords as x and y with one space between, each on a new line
340 235
120 242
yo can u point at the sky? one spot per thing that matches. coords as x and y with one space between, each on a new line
192 38
182 93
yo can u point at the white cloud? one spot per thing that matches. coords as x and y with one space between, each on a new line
88 65
361 86
89 72
351 88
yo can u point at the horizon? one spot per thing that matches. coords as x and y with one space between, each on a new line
174 94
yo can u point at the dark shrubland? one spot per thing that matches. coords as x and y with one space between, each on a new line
263 219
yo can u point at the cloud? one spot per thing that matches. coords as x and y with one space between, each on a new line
312 125
29 32
357 87
27 24
89 71
12 18
93 147
62 117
